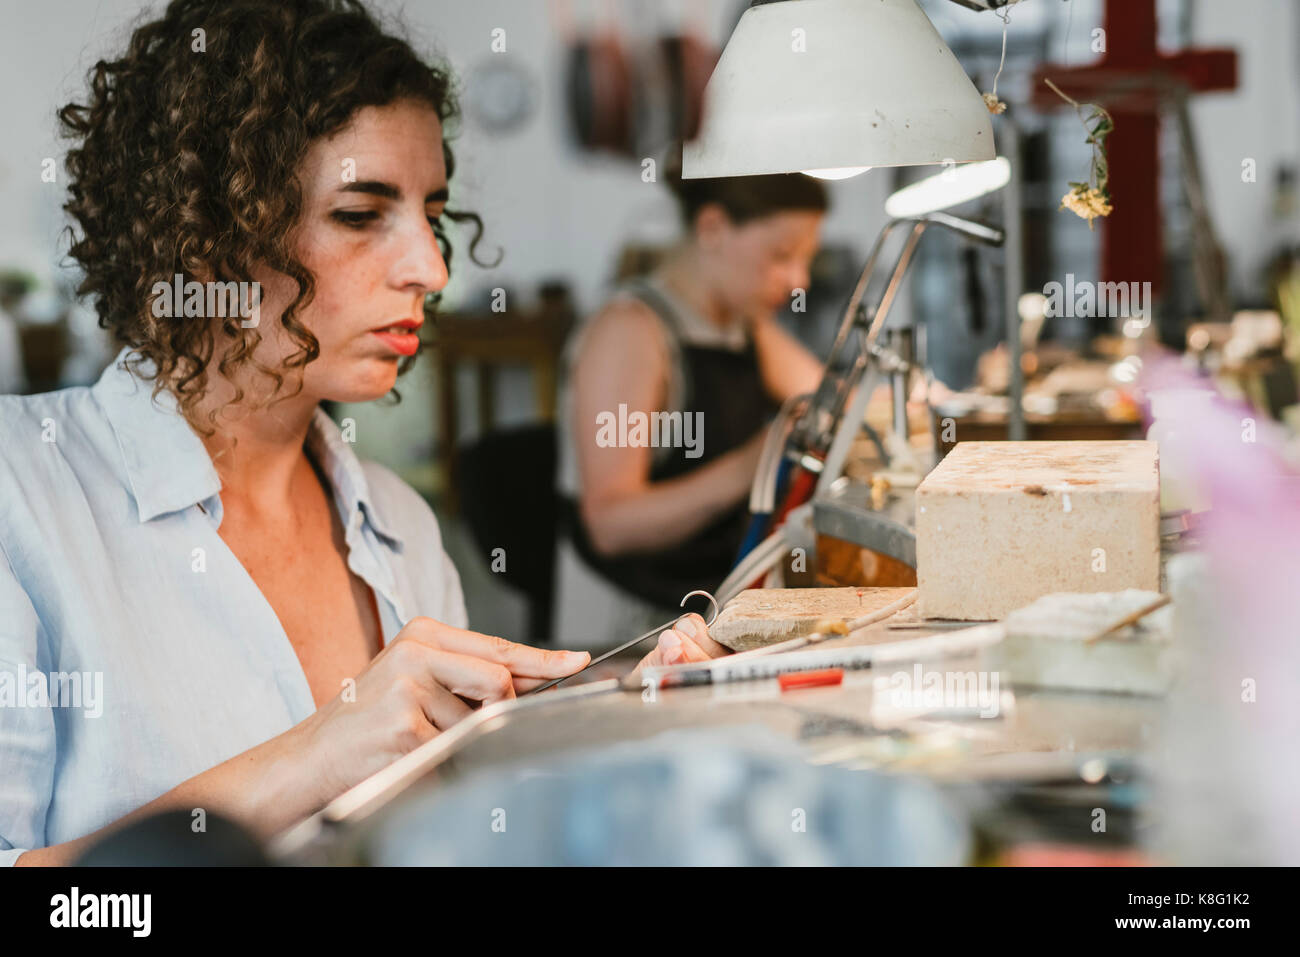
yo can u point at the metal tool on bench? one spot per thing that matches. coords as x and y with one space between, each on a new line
635 641
829 424
823 429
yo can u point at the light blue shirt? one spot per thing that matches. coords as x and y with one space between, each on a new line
112 571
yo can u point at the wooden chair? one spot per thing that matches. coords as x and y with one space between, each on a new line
486 340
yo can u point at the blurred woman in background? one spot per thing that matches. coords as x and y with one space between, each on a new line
698 339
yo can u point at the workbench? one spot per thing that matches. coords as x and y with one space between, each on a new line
986 766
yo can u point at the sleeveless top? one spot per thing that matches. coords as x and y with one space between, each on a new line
720 381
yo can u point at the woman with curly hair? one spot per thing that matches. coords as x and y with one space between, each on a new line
206 599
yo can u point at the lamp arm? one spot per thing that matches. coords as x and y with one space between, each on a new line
970 228
823 418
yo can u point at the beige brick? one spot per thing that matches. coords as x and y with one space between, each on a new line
1000 524
764 616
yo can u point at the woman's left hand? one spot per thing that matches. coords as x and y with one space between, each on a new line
686 641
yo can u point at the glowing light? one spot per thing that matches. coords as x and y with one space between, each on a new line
953 186
837 172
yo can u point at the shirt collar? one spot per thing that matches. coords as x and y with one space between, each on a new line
168 467
335 457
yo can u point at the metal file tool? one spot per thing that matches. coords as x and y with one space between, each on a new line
629 644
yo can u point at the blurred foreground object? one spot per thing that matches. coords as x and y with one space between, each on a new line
718 797
178 839
1228 781
1114 641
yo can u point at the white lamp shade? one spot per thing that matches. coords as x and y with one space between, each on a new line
831 84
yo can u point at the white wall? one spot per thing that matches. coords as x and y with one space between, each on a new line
1261 121
45 49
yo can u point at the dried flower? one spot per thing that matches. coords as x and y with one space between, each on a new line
1087 202
1091 199
995 105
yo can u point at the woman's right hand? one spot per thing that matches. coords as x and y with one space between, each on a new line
430 677
426 680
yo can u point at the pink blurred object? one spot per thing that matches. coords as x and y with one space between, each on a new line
1230 775
1071 855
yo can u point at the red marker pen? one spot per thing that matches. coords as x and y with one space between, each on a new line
811 679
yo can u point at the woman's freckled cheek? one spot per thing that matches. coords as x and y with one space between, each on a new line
342 304
341 266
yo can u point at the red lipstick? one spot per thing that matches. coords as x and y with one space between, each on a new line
401 336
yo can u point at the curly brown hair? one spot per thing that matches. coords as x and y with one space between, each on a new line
186 162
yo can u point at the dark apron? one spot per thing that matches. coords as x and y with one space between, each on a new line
726 387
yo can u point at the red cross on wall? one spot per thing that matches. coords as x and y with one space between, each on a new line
1128 81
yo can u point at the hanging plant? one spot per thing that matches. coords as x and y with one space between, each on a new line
1091 199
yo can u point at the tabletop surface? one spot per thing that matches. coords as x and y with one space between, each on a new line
1027 735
